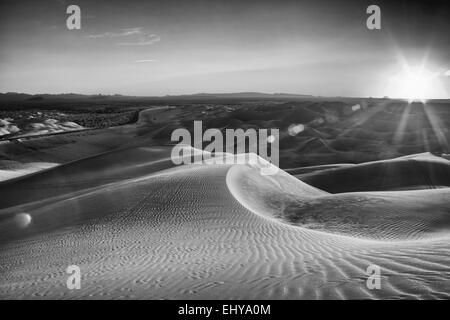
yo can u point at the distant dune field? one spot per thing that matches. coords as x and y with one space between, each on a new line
313 132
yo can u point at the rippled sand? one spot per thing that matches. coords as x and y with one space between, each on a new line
138 227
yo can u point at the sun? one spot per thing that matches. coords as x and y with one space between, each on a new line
414 84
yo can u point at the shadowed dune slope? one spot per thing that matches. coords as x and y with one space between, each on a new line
83 174
422 171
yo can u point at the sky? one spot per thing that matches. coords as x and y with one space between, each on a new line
155 48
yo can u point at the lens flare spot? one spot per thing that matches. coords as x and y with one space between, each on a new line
22 220
295 129
270 139
319 121
356 107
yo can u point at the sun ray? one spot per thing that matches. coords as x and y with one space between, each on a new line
363 117
437 128
402 125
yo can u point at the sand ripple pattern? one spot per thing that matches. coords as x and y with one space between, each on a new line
224 231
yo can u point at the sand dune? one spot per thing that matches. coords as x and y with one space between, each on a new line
87 173
215 231
376 215
333 131
422 171
13 169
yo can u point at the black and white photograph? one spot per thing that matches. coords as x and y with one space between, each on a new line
224 150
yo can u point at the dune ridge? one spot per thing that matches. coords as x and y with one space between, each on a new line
370 215
420 171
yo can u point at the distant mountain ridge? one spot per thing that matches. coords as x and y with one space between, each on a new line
15 96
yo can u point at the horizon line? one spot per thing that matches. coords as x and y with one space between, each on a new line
209 94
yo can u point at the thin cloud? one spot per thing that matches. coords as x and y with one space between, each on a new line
136 36
145 61
122 33
143 40
447 73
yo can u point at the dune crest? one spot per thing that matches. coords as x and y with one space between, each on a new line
388 216
413 172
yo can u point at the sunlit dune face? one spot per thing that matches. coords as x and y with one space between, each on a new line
415 84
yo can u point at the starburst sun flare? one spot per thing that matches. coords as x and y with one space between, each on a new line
416 83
